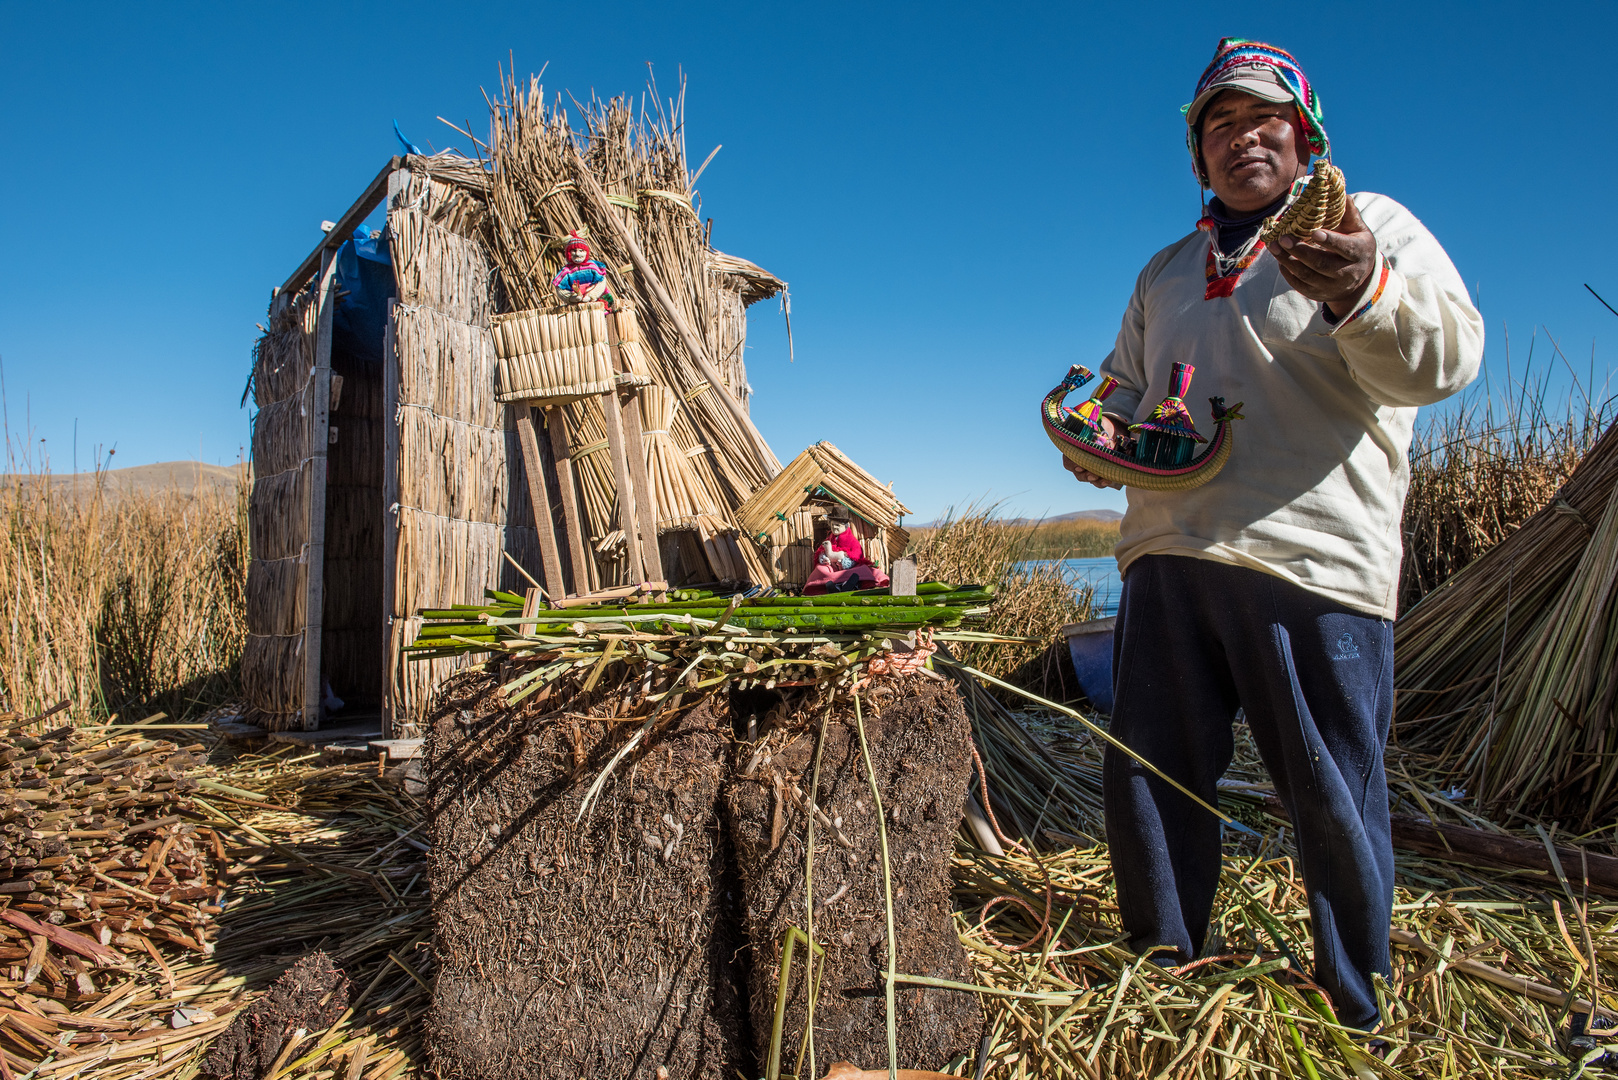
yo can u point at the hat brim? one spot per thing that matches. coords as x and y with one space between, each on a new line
1257 83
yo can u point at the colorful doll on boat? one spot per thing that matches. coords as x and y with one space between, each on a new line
1157 454
1169 436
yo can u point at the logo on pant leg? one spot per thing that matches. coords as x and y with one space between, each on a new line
1346 649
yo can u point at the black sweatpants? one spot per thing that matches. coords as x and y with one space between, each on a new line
1195 641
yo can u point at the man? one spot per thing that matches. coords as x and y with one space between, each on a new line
1272 587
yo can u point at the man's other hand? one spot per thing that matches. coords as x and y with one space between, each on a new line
1110 427
1086 476
1330 267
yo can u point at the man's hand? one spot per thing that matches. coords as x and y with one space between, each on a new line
1331 267
1084 475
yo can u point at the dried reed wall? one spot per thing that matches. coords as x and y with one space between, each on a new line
457 496
277 576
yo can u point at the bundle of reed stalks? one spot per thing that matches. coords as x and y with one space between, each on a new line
623 182
1478 471
678 495
553 356
1505 670
592 466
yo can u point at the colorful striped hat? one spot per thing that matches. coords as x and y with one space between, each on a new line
574 240
1264 71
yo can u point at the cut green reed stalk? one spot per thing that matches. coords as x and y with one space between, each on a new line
887 894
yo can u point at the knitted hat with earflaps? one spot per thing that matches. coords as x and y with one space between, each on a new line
1264 71
574 240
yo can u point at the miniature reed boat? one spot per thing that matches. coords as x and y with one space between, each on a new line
1081 438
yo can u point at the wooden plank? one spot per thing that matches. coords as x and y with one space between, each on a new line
392 636
562 454
626 490
392 658
318 402
534 469
635 447
353 219
622 592
903 577
645 498
1493 851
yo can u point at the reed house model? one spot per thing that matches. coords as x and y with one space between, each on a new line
423 390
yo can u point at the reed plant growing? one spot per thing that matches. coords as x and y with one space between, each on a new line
1033 599
118 601
1481 469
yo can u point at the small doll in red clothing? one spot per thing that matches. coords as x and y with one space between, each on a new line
581 280
841 550
840 562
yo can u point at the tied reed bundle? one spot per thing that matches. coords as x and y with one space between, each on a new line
680 496
553 356
1506 669
624 183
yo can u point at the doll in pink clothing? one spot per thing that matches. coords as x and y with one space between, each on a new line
840 562
841 550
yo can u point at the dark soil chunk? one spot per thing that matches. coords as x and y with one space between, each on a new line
605 948
919 751
311 995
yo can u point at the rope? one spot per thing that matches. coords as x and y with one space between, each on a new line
1009 898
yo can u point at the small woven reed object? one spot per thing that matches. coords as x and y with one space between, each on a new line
552 357
631 346
1320 205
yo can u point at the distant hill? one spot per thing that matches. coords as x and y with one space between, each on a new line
1083 515
1105 517
189 477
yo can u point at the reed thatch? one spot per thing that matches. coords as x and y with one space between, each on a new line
457 498
623 182
1510 669
783 515
278 522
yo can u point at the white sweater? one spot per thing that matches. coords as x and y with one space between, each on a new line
1314 489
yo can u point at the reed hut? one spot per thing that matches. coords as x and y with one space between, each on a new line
786 518
389 471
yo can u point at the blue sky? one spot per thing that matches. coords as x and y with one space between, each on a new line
961 195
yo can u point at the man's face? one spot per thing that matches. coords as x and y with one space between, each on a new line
577 255
1252 149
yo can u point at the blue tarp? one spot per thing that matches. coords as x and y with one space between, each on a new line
364 286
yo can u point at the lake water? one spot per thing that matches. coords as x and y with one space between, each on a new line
1101 574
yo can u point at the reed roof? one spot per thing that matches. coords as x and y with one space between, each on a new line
754 282
820 472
